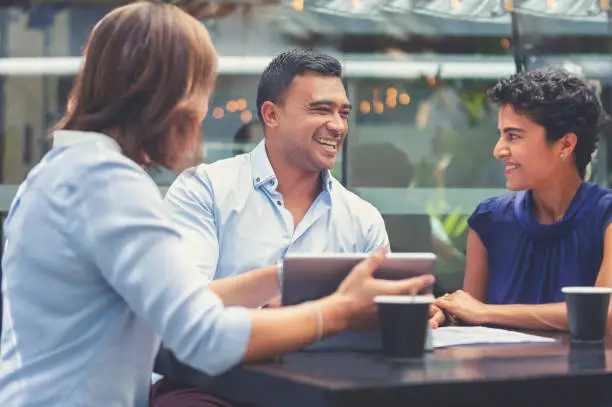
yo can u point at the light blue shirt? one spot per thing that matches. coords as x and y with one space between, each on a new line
94 276
234 220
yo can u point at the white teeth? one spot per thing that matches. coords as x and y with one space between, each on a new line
327 143
511 167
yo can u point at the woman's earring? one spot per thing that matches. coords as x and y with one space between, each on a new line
562 156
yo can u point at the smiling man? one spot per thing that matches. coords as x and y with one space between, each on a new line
248 211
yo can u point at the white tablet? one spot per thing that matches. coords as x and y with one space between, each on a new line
308 276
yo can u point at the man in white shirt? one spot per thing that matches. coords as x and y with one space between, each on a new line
249 211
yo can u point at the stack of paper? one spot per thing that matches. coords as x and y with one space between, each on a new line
470 335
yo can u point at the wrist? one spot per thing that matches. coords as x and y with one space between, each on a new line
336 311
485 316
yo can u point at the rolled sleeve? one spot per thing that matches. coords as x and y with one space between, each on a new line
234 333
377 232
125 230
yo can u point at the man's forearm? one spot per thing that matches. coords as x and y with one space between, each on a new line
251 289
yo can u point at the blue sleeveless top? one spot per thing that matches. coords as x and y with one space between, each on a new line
530 262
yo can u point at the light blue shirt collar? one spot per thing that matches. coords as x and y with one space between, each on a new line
66 138
262 170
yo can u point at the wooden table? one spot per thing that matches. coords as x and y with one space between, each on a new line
531 374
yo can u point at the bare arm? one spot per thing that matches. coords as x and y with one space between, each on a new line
525 316
281 330
476 278
475 281
251 290
551 316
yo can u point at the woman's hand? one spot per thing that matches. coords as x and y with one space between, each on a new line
436 316
464 307
360 287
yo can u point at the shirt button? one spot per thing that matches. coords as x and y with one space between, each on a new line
272 183
279 203
257 179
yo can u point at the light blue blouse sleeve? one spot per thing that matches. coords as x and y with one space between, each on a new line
122 226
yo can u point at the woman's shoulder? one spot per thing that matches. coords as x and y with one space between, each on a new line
602 195
601 201
497 205
493 213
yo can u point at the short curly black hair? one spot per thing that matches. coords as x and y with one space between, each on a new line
558 101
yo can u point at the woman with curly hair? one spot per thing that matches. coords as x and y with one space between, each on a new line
553 231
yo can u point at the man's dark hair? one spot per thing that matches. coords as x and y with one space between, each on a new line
279 74
558 101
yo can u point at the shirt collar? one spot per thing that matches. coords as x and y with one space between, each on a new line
262 172
67 138
261 169
326 180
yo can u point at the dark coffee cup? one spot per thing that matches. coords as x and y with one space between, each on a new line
587 312
403 324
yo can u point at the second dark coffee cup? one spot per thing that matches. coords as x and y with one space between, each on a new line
403 322
587 312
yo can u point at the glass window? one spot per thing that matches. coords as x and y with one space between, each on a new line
421 134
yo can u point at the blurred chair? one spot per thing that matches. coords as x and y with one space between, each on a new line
384 165
409 233
247 137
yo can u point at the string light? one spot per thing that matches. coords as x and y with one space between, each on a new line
218 113
241 104
231 106
404 99
378 107
391 101
365 107
246 116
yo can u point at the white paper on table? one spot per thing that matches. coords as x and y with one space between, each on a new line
469 335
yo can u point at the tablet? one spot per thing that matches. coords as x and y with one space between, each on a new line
309 277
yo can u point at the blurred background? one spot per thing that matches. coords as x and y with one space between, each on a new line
421 136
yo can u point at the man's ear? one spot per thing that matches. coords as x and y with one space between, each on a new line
269 114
